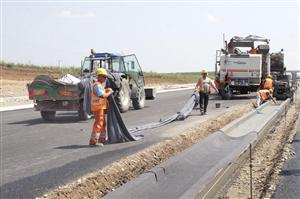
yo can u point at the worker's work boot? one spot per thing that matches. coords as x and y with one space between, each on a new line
93 142
100 144
202 113
205 113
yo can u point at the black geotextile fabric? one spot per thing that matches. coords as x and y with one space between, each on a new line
117 131
116 128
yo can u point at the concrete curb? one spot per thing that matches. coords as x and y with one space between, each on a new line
235 123
175 89
226 173
202 174
18 107
2 99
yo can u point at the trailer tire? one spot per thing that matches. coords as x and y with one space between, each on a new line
123 96
48 115
139 103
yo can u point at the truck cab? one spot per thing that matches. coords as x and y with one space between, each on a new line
242 65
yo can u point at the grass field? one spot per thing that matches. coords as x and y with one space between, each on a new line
28 72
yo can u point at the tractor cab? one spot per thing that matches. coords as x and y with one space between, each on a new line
125 65
126 77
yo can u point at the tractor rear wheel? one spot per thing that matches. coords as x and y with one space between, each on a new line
123 96
139 102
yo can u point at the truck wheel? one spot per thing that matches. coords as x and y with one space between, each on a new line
82 115
123 96
139 103
48 115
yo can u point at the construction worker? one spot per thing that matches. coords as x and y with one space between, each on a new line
203 86
93 52
268 83
99 104
262 96
253 51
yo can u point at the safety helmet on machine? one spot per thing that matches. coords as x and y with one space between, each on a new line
101 71
204 71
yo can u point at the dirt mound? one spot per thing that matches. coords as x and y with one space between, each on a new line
97 184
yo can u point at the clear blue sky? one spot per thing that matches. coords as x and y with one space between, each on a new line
166 37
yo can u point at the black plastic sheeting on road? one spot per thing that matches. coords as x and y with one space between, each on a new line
181 115
116 128
118 132
184 175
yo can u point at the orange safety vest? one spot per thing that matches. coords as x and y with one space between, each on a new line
98 103
263 94
202 82
268 84
253 51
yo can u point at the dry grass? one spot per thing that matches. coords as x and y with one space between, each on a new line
12 71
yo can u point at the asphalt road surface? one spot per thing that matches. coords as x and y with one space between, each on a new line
290 174
37 156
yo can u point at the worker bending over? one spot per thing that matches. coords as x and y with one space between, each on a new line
99 104
203 86
262 96
265 93
268 84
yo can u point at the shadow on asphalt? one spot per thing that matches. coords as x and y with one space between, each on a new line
132 109
234 97
295 141
241 97
292 172
75 147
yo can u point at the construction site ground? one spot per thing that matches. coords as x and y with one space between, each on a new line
40 157
50 154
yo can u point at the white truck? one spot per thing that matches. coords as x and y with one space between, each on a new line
241 66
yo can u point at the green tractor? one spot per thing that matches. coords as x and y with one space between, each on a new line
125 77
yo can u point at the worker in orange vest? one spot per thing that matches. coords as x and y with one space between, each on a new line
268 84
99 104
262 96
204 86
253 51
